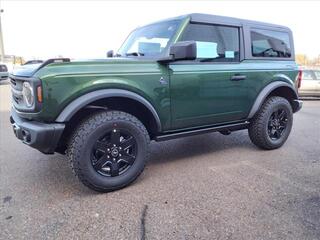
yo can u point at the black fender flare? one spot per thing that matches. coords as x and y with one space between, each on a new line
90 97
264 93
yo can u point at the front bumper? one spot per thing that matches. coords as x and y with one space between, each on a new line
42 136
297 105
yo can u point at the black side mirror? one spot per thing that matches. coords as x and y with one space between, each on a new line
184 50
110 54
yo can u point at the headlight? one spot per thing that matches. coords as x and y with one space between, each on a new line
27 93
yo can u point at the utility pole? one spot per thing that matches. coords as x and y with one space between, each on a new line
1 38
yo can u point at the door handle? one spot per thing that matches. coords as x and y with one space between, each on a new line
238 77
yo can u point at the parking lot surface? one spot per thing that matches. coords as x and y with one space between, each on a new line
201 187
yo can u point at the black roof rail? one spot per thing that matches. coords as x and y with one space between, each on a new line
54 60
49 61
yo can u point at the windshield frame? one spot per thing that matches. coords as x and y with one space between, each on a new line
165 52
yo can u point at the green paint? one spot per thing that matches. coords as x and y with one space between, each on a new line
197 94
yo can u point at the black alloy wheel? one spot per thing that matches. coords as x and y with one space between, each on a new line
272 124
277 124
114 153
109 150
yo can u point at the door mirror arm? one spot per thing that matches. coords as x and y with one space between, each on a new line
166 60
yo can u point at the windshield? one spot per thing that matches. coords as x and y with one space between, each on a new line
151 40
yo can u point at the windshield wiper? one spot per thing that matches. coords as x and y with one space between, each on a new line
135 54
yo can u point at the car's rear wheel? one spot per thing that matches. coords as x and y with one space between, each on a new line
271 126
109 150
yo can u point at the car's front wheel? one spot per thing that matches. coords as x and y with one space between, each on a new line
109 150
271 126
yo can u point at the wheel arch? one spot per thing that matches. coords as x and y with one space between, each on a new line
276 88
90 98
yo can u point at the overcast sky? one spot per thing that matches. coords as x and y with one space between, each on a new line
87 29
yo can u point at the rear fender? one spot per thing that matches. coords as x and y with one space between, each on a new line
266 91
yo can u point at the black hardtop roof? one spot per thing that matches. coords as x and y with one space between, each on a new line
208 18
222 20
215 19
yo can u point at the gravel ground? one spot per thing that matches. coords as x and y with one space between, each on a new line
202 187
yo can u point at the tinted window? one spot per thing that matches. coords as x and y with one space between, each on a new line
224 40
307 75
151 40
317 73
266 43
3 68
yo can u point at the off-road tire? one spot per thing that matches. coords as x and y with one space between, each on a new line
81 142
258 128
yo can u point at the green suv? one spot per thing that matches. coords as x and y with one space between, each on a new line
182 76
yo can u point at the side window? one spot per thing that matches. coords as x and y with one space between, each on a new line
3 68
266 43
317 73
308 75
217 43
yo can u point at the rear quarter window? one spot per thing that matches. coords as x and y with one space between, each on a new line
269 43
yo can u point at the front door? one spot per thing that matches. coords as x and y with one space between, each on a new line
211 89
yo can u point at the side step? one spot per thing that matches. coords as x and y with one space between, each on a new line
228 127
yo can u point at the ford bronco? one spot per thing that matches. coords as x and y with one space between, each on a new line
182 76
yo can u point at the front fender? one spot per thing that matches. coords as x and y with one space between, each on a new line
77 104
63 83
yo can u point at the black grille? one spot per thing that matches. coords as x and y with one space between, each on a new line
13 81
17 97
16 90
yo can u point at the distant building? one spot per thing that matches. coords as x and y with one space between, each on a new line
12 61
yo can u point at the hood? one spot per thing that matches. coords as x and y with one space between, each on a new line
80 66
97 66
26 70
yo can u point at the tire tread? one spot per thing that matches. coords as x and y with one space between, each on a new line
78 138
256 128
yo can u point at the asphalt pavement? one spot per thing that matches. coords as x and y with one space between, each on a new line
201 187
